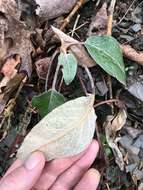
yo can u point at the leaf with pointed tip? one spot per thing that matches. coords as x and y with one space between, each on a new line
47 101
69 63
107 54
66 131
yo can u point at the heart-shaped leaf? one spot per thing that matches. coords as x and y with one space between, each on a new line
69 63
106 52
47 101
66 131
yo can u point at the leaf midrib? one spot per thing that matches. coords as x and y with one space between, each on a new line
70 129
107 54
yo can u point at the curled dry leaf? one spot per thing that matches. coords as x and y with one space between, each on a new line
132 54
75 47
112 125
119 121
42 67
99 22
66 131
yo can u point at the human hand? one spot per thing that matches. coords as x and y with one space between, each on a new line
61 174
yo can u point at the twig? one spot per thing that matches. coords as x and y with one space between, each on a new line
68 18
107 185
110 17
55 77
83 86
106 102
49 69
109 32
79 27
75 24
91 79
60 86
125 13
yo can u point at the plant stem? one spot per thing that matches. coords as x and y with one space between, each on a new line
109 32
91 79
68 18
75 24
48 72
55 77
106 102
110 17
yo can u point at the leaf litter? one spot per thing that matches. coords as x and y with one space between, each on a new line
38 95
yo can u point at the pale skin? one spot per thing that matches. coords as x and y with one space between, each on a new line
61 174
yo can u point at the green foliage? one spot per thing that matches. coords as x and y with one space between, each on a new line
106 147
69 63
47 101
106 52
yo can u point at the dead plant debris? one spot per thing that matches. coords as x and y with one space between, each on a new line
47 55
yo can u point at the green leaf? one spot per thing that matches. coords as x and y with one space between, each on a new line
69 63
47 101
106 52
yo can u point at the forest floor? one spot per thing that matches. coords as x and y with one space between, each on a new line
29 53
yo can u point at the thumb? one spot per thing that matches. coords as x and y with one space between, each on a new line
25 176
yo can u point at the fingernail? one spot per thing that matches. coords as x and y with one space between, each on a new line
32 161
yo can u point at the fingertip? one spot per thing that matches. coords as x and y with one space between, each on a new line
40 155
27 174
93 173
35 159
92 178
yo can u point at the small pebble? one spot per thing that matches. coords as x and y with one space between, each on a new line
136 28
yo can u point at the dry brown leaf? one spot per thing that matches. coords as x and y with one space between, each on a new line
119 121
3 29
51 9
21 45
14 40
99 22
9 66
75 47
112 125
11 86
42 66
9 71
132 54
66 131
14 36
10 7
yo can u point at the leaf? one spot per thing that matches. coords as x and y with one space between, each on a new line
69 63
47 101
66 131
119 121
112 125
106 52
75 47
